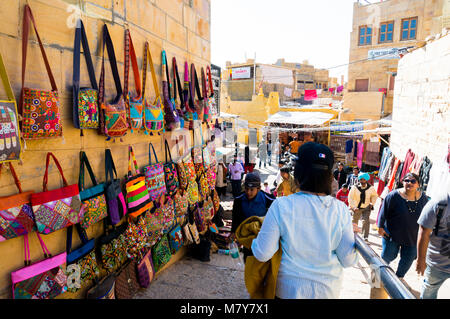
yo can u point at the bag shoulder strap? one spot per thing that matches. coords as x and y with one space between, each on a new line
110 168
204 87
5 80
132 157
81 233
167 149
194 82
44 185
112 61
165 68
177 83
85 162
148 59
27 17
13 173
150 155
45 250
130 54
208 74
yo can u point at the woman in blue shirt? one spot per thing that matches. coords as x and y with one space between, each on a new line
314 230
397 223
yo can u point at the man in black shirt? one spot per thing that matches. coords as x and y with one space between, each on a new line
340 175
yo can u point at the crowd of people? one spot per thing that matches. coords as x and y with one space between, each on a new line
317 241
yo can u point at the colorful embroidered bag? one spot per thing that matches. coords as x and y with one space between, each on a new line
189 115
168 210
45 279
216 200
138 199
211 100
208 208
10 144
175 239
206 109
153 112
200 219
85 100
59 208
116 203
16 214
170 173
40 109
170 114
161 253
190 228
112 247
154 176
82 269
93 200
136 235
154 220
135 105
113 116
145 271
181 203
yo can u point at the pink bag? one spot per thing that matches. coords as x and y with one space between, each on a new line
45 279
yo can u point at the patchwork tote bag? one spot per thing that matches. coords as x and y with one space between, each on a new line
135 105
112 247
170 113
170 173
40 109
153 112
93 200
138 199
154 176
113 116
16 214
82 268
115 199
45 279
10 144
58 208
85 99
177 88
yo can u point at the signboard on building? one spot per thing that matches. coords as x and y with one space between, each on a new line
241 73
385 54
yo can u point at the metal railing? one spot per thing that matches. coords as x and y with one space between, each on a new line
383 276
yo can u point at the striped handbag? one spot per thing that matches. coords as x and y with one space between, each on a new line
138 199
154 176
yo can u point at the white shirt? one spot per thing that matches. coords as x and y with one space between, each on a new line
317 242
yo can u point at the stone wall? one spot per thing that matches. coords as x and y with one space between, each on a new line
421 114
181 27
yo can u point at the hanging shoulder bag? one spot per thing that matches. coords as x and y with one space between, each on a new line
40 109
10 144
45 279
112 247
145 271
196 100
127 284
170 113
113 116
138 199
82 269
134 104
154 176
93 200
189 114
161 253
170 172
16 214
211 100
153 112
58 208
177 88
116 203
85 99
206 111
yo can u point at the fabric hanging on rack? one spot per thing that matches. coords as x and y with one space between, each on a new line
348 146
424 172
360 153
390 185
372 151
408 160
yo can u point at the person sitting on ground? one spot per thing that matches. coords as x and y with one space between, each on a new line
288 186
252 202
361 200
313 229
342 194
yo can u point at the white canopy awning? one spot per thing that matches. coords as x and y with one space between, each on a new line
300 118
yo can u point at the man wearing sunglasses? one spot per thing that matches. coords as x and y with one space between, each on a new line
397 223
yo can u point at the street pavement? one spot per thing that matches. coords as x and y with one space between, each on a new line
222 278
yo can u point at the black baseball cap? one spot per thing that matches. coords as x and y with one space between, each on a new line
252 180
315 155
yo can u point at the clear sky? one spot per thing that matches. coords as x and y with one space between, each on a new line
296 30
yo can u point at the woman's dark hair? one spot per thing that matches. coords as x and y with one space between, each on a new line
314 176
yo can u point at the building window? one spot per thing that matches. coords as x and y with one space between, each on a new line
386 32
409 29
365 35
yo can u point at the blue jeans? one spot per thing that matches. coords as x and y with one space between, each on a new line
407 255
433 280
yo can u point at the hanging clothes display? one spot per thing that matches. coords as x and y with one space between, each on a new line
424 172
408 160
360 153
